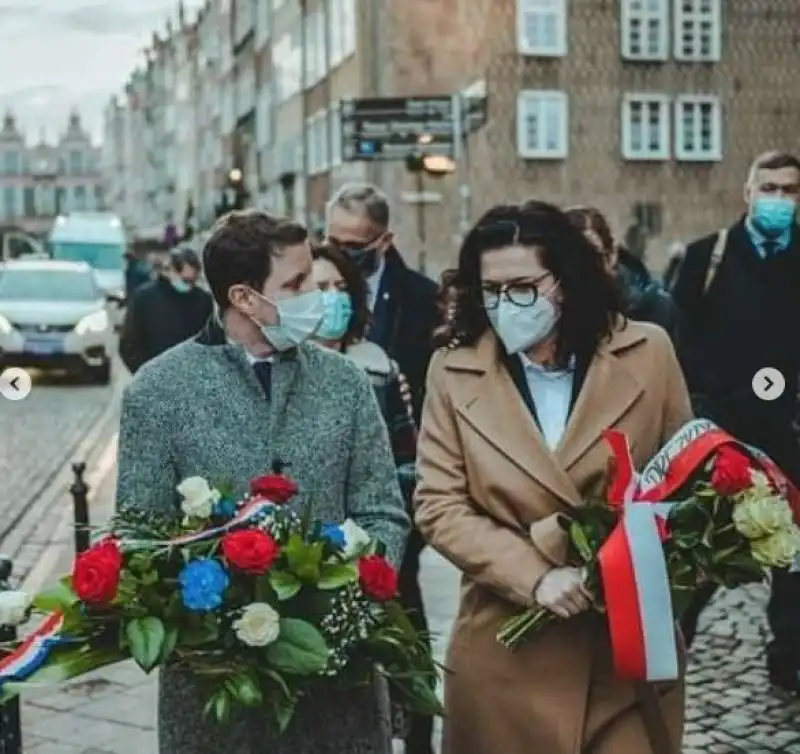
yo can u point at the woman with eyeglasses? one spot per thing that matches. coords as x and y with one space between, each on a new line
541 362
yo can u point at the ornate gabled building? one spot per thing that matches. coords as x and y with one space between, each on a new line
41 180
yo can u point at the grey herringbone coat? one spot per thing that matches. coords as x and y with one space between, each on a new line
199 409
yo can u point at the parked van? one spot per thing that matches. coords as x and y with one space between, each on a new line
98 239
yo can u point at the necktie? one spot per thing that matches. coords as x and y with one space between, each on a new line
263 370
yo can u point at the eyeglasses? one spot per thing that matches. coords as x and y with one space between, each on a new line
519 294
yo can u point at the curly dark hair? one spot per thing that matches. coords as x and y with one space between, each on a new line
591 307
592 219
355 286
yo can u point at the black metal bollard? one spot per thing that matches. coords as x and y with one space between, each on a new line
80 508
10 727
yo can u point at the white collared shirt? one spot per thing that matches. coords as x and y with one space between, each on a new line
250 357
552 395
374 284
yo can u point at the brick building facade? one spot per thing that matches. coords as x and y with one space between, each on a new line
649 109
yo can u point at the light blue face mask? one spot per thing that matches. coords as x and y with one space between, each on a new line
181 286
338 312
773 215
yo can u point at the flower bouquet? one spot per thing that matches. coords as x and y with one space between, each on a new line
257 603
644 558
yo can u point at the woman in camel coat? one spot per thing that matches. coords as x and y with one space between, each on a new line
541 362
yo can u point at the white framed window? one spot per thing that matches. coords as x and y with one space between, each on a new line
334 32
698 30
349 28
645 29
542 125
646 127
321 137
311 146
542 28
698 128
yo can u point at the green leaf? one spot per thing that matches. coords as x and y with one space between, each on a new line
171 637
299 650
581 542
150 578
286 585
278 679
219 705
245 690
146 638
336 575
203 630
304 558
60 597
284 708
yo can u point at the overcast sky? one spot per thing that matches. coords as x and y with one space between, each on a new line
60 54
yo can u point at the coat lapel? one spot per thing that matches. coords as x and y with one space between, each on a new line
607 394
496 411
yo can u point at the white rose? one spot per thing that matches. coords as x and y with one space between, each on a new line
14 607
762 487
198 497
355 539
259 625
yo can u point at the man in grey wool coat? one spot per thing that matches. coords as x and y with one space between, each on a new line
248 392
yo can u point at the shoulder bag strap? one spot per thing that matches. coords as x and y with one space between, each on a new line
717 253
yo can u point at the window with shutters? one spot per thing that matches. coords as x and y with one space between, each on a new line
698 128
645 127
542 125
542 27
698 30
645 29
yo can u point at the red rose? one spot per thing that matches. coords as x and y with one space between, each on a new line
250 550
378 578
731 472
95 575
276 488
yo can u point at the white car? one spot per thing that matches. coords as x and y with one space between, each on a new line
55 315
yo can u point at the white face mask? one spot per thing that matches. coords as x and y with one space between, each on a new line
522 327
298 319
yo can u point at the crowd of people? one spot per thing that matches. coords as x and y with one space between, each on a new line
465 417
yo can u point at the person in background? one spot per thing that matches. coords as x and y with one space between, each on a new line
342 329
738 293
542 363
645 298
137 273
404 314
247 395
164 312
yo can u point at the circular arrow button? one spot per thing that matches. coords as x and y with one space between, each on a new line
15 384
769 384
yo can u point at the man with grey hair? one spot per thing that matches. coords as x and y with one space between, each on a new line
737 290
405 313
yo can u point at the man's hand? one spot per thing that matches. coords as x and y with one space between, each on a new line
562 591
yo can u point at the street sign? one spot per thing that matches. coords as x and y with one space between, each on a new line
390 128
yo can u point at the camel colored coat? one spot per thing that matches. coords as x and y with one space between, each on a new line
486 476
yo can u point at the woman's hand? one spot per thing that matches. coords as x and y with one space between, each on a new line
562 591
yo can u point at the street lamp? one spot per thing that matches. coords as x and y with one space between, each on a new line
235 176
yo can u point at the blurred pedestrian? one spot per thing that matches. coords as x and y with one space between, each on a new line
246 395
404 314
738 291
510 441
645 298
165 311
137 273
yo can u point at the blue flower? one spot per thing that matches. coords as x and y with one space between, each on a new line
224 508
335 536
203 583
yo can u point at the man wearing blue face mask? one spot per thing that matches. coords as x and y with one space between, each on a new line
165 311
738 294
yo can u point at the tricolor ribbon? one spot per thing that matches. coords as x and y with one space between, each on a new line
32 653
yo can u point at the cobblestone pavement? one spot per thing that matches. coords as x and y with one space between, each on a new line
42 433
731 709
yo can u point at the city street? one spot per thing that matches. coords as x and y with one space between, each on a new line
731 709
